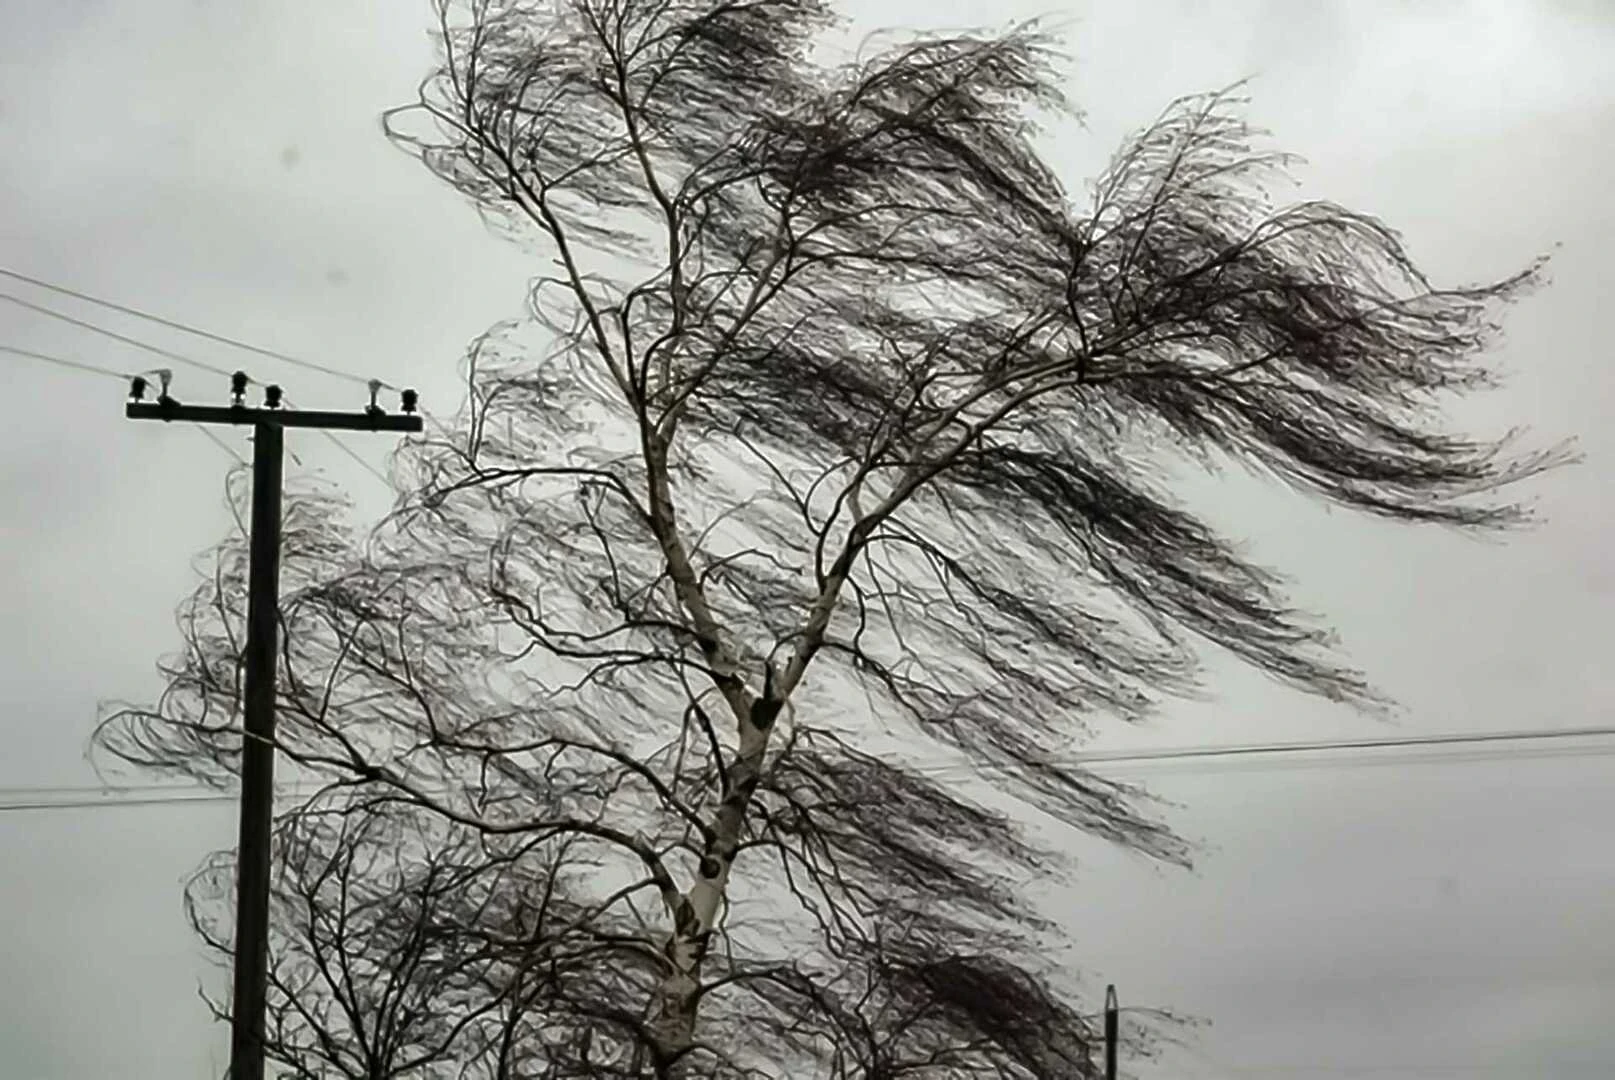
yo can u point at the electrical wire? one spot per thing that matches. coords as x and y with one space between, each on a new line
1374 760
61 361
92 804
348 450
216 440
1423 747
77 365
188 328
184 327
202 796
135 342
155 794
94 370
1511 735
354 454
107 791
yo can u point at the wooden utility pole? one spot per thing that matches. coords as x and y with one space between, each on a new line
263 621
1112 1031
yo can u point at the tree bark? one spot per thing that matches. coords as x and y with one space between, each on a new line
695 916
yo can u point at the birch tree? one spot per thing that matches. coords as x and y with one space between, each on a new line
822 475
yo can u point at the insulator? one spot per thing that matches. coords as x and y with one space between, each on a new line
409 399
137 388
238 387
271 396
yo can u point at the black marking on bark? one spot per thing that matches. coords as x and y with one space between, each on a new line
684 920
710 867
764 711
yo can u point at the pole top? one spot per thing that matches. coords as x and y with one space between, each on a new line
272 411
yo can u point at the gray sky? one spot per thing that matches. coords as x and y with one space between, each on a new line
1405 921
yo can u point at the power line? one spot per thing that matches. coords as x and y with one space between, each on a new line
1432 759
340 445
348 450
220 443
78 365
93 804
108 801
93 328
1493 746
61 361
21 798
188 328
354 454
106 791
1480 738
92 369
154 794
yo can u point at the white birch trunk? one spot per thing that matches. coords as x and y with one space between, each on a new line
696 912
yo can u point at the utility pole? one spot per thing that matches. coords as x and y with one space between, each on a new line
1112 1031
263 621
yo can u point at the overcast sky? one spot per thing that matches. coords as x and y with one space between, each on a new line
1407 920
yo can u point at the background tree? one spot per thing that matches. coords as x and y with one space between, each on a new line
836 469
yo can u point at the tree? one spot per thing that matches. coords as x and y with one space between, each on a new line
832 477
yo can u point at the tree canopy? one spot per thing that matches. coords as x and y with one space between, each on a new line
832 472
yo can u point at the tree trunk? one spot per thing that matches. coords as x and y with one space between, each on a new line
696 915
